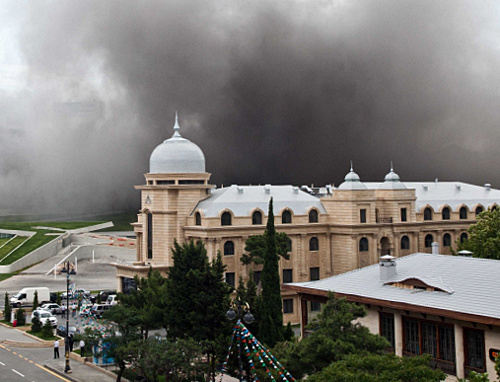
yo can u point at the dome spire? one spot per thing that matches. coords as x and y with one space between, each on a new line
176 126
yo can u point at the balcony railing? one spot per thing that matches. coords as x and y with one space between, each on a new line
384 220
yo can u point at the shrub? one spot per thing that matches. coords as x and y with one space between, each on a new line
47 331
36 326
35 300
8 309
20 317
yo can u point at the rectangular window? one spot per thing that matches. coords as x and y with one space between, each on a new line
387 327
288 305
315 306
256 277
411 337
288 275
474 351
433 338
314 273
362 215
230 278
403 214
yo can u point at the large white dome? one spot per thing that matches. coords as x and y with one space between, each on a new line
177 155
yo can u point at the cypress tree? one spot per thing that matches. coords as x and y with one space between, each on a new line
35 300
270 310
8 309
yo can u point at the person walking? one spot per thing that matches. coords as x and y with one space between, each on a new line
56 348
82 347
63 311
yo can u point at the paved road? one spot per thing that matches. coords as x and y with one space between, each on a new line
25 364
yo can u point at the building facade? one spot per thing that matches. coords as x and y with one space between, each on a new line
332 230
445 306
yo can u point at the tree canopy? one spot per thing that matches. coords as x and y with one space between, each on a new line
484 236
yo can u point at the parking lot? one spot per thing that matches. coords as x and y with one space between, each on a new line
92 276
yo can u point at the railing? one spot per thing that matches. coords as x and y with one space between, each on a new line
384 220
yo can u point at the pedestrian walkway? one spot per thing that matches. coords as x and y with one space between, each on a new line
79 371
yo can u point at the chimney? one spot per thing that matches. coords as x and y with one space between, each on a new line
387 267
435 248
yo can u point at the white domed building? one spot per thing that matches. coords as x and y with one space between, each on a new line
331 230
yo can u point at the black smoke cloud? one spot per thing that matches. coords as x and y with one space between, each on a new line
272 91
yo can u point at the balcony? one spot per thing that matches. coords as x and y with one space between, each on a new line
384 220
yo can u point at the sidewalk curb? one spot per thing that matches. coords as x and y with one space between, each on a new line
62 373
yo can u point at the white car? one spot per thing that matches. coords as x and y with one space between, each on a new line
52 308
43 316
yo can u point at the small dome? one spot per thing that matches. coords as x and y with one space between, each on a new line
177 155
352 182
392 182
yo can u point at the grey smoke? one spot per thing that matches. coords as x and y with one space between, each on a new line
272 91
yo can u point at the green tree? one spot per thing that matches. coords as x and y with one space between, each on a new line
58 298
269 302
20 317
335 334
379 368
35 300
47 330
122 339
147 301
36 326
197 298
484 236
7 308
178 360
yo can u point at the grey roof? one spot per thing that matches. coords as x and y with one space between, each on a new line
470 284
242 200
454 194
177 155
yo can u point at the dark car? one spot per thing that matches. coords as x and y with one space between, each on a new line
61 330
102 296
53 297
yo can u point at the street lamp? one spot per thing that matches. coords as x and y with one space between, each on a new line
240 310
67 368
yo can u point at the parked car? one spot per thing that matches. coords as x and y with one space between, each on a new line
26 296
112 299
99 309
61 330
52 308
103 295
44 316
77 293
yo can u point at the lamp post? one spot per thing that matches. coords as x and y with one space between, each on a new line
240 310
67 368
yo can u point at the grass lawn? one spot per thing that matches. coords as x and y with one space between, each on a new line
122 222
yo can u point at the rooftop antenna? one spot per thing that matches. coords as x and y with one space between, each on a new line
351 166
391 167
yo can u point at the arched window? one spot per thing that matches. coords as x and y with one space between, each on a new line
150 235
445 214
314 244
479 210
463 213
289 245
313 216
446 240
405 242
256 218
197 218
286 217
428 241
225 219
363 244
228 248
493 208
427 214
463 237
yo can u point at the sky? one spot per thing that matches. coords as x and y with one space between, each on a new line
280 92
